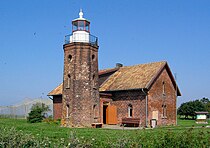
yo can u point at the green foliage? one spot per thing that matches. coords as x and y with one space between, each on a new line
50 120
189 108
206 103
38 112
10 137
51 135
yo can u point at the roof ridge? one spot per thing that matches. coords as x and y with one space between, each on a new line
104 71
144 64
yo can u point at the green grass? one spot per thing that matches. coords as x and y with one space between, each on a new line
190 123
109 137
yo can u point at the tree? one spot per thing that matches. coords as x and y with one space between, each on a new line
38 112
206 103
189 108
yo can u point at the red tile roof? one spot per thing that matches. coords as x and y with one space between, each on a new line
57 91
132 77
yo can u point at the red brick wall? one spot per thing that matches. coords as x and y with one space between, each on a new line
136 98
82 96
57 107
156 100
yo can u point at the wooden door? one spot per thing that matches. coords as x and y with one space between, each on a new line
111 114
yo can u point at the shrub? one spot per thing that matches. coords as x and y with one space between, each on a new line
50 120
9 137
38 112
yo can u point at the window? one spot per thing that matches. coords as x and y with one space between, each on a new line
164 89
94 82
67 111
130 110
81 25
93 57
68 81
69 58
164 110
94 111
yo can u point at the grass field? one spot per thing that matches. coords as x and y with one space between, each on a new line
187 134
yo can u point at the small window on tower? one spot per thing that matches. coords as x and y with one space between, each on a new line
68 81
69 58
93 57
94 77
67 111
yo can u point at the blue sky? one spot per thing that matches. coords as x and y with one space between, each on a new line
129 31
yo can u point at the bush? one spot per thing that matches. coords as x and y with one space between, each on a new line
50 120
38 113
9 137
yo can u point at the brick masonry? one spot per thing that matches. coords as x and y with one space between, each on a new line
80 85
157 101
57 107
123 99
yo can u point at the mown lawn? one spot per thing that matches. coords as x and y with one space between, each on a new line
183 133
190 123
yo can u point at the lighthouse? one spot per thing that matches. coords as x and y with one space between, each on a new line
80 106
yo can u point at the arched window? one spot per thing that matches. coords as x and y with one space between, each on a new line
130 110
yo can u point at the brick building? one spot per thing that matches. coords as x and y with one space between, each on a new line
86 96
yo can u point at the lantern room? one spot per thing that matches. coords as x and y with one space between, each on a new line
81 31
80 24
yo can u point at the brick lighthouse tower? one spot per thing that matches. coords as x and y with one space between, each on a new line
80 78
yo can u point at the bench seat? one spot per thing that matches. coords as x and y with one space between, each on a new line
131 122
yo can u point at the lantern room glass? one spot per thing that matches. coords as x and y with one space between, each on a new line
81 25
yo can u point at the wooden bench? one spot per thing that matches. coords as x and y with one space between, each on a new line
97 125
131 122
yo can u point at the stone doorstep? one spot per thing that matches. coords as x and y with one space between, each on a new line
97 125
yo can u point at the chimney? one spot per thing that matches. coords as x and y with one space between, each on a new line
118 65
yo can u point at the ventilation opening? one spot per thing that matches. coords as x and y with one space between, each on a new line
69 58
68 81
